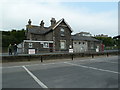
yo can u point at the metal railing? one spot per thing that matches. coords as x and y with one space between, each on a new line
46 56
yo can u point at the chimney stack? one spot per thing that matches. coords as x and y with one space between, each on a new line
42 24
29 22
53 21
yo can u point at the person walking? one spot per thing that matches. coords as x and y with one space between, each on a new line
15 49
10 49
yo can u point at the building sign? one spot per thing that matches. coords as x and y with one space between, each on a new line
70 50
31 51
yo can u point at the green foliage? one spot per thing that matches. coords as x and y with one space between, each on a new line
109 41
11 37
117 42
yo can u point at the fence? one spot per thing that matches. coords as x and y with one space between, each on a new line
52 56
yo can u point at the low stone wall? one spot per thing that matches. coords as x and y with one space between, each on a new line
51 56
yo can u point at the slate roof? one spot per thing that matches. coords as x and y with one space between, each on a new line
84 38
37 30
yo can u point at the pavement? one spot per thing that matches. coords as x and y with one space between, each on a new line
6 54
99 72
19 54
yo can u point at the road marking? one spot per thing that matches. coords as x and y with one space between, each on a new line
28 65
35 78
49 63
56 63
105 61
92 68
95 59
11 67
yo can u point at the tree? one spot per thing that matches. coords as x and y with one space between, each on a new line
107 41
11 37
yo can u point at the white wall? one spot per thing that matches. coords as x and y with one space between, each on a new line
80 46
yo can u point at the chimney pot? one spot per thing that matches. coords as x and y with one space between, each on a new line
29 22
42 24
53 21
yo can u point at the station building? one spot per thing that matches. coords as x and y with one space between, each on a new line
56 38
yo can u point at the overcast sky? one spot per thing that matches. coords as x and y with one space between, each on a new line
94 17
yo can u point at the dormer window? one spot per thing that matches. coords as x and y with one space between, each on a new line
62 32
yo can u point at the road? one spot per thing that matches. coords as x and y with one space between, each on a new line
100 72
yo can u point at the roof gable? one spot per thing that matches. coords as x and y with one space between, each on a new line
59 22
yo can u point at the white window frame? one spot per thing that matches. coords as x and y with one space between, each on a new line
61 46
62 32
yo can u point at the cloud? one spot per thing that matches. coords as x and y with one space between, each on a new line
15 15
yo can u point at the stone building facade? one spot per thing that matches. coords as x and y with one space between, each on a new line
55 38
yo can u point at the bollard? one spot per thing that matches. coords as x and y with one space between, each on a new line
72 56
107 54
92 56
29 57
41 59
82 54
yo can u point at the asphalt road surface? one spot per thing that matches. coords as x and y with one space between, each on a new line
101 72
